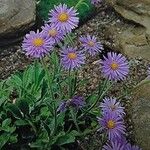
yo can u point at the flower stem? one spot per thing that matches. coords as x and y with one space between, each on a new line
55 118
80 1
74 118
49 79
101 94
74 82
69 84
70 40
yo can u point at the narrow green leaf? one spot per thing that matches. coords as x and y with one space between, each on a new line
14 110
3 139
6 122
21 122
65 139
47 128
23 106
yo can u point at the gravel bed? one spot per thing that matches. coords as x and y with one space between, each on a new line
12 60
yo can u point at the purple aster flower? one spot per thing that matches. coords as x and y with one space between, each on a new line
77 102
115 66
62 107
113 124
64 18
110 105
37 44
91 45
95 2
122 140
113 146
149 72
53 32
116 144
130 147
71 58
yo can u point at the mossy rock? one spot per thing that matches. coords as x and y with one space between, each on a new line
85 8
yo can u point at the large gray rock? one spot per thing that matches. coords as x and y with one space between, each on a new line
141 114
16 17
134 39
134 10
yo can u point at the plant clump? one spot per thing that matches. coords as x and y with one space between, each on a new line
41 107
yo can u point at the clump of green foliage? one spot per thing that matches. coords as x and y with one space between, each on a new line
28 109
84 7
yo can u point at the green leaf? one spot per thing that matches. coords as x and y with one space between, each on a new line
61 118
14 110
44 89
47 128
6 122
4 92
44 112
42 141
21 122
16 80
91 98
27 76
3 139
6 126
66 139
13 138
3 99
84 7
23 106
83 3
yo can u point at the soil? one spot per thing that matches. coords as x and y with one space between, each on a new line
13 59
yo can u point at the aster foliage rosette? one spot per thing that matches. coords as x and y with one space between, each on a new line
56 34
64 18
113 125
37 45
115 66
111 105
71 58
91 45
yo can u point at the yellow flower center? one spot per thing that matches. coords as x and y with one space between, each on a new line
111 124
91 43
72 56
63 17
38 42
52 32
114 66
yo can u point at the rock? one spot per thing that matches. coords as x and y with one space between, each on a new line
140 114
134 38
134 10
16 17
131 36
